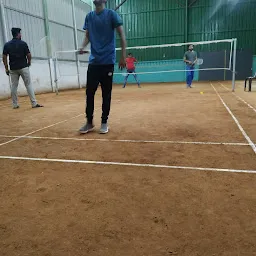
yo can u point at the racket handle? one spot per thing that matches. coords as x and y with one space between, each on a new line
82 52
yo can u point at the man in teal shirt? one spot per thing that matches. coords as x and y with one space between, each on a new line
100 26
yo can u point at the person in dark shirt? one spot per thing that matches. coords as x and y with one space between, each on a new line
19 62
190 58
100 26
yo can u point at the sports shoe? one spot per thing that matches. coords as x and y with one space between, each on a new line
104 128
38 106
86 128
16 107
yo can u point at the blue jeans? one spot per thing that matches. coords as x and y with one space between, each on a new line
129 72
190 75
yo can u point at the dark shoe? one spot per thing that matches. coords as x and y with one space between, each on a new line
38 106
16 107
86 128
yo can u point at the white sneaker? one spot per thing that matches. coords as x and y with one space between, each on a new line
104 128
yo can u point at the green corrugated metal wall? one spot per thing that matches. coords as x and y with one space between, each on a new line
149 22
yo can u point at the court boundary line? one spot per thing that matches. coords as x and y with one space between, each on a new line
238 97
236 121
126 164
130 141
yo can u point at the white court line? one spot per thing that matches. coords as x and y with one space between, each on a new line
132 141
49 126
254 109
126 164
236 121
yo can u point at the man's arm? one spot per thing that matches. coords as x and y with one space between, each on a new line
86 35
5 61
122 62
85 41
29 58
28 55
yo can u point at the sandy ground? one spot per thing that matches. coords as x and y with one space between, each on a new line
72 209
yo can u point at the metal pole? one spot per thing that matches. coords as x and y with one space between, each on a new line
48 39
234 66
3 21
186 22
225 64
230 55
5 34
55 74
76 43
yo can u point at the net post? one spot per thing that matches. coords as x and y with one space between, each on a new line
234 65
230 55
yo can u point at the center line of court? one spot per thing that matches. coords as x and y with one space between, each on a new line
127 164
49 126
236 121
246 103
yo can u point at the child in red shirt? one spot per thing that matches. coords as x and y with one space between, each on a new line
130 60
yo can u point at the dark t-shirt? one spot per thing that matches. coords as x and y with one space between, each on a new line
17 51
191 56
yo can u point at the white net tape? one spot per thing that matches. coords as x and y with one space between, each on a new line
160 59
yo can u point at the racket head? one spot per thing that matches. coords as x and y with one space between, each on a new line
199 61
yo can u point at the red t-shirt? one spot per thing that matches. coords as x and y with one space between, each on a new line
130 63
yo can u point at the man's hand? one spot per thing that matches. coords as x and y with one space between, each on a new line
7 72
122 63
82 51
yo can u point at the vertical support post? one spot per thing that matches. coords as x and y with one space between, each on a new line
225 64
55 74
234 66
3 21
4 30
230 56
76 42
186 22
48 39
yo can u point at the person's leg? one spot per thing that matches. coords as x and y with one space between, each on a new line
245 83
93 74
91 88
106 87
125 79
25 74
14 76
136 78
250 84
188 74
192 72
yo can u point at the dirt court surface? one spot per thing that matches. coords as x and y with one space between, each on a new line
176 175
